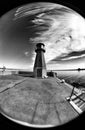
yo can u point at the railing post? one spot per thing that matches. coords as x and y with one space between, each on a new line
72 92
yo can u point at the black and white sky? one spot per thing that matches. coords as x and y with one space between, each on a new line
61 29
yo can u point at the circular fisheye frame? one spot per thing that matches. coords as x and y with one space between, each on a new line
42 54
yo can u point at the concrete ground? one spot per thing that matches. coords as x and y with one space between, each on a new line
37 101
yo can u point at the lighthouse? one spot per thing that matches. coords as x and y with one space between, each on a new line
40 65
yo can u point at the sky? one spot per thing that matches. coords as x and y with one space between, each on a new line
61 29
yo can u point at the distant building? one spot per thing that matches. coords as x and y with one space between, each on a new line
52 74
25 73
40 65
79 69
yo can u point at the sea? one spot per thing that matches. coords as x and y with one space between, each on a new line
7 72
75 77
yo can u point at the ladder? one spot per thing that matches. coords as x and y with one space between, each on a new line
77 101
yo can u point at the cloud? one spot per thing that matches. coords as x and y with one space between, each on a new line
26 53
34 8
65 34
61 29
73 57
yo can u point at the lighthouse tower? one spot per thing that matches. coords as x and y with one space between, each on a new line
39 65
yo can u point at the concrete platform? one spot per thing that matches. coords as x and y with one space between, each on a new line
38 101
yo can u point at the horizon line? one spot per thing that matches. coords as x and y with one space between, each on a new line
78 69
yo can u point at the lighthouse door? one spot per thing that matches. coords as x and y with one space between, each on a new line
39 72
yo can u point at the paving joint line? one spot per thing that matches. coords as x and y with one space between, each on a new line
55 108
34 113
11 85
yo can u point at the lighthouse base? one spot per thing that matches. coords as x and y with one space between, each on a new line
40 73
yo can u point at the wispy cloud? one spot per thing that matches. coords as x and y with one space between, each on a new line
70 57
73 57
62 30
65 34
26 53
34 8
